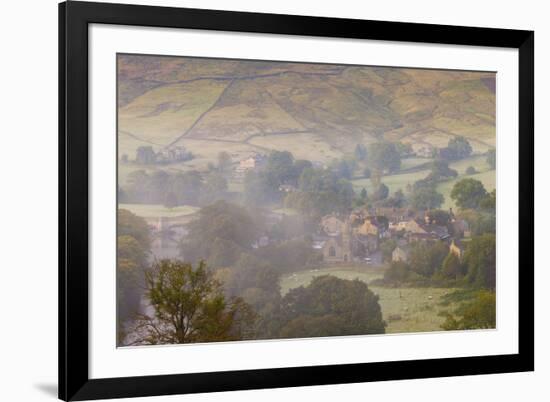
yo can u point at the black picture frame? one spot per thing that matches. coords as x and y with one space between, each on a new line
74 18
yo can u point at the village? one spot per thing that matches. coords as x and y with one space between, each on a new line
340 238
309 210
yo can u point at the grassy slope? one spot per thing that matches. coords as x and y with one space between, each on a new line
400 180
334 108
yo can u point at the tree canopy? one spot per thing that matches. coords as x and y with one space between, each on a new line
189 306
479 313
384 156
425 196
457 148
330 306
468 193
220 234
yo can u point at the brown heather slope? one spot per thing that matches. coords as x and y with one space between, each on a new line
324 110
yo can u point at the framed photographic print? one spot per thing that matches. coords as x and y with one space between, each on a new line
258 201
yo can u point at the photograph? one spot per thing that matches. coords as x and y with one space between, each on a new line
262 200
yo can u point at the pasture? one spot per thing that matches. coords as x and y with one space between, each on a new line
405 309
306 146
158 211
401 179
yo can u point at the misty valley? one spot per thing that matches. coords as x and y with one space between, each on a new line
272 200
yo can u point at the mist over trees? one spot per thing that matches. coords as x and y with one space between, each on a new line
173 189
133 248
384 156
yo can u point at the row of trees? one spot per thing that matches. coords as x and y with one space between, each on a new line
263 186
172 189
432 263
320 192
190 305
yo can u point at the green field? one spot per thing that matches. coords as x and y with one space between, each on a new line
394 181
404 309
158 211
410 163
400 180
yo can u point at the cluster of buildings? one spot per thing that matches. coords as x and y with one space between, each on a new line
173 154
357 236
252 163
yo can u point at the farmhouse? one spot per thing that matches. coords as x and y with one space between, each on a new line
251 163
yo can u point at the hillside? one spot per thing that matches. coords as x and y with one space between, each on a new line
317 111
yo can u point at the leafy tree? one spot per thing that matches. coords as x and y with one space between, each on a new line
188 187
222 231
291 255
397 200
399 272
489 202
145 155
477 314
133 248
440 170
384 156
468 193
189 306
280 167
154 188
171 200
480 260
427 258
380 192
159 184
404 149
224 162
343 169
425 196
360 152
138 186
131 260
387 248
132 225
330 306
252 272
122 197
214 188
439 217
320 192
492 158
452 267
260 188
457 148
480 222
299 166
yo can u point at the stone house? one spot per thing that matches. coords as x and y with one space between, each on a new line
337 249
251 163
